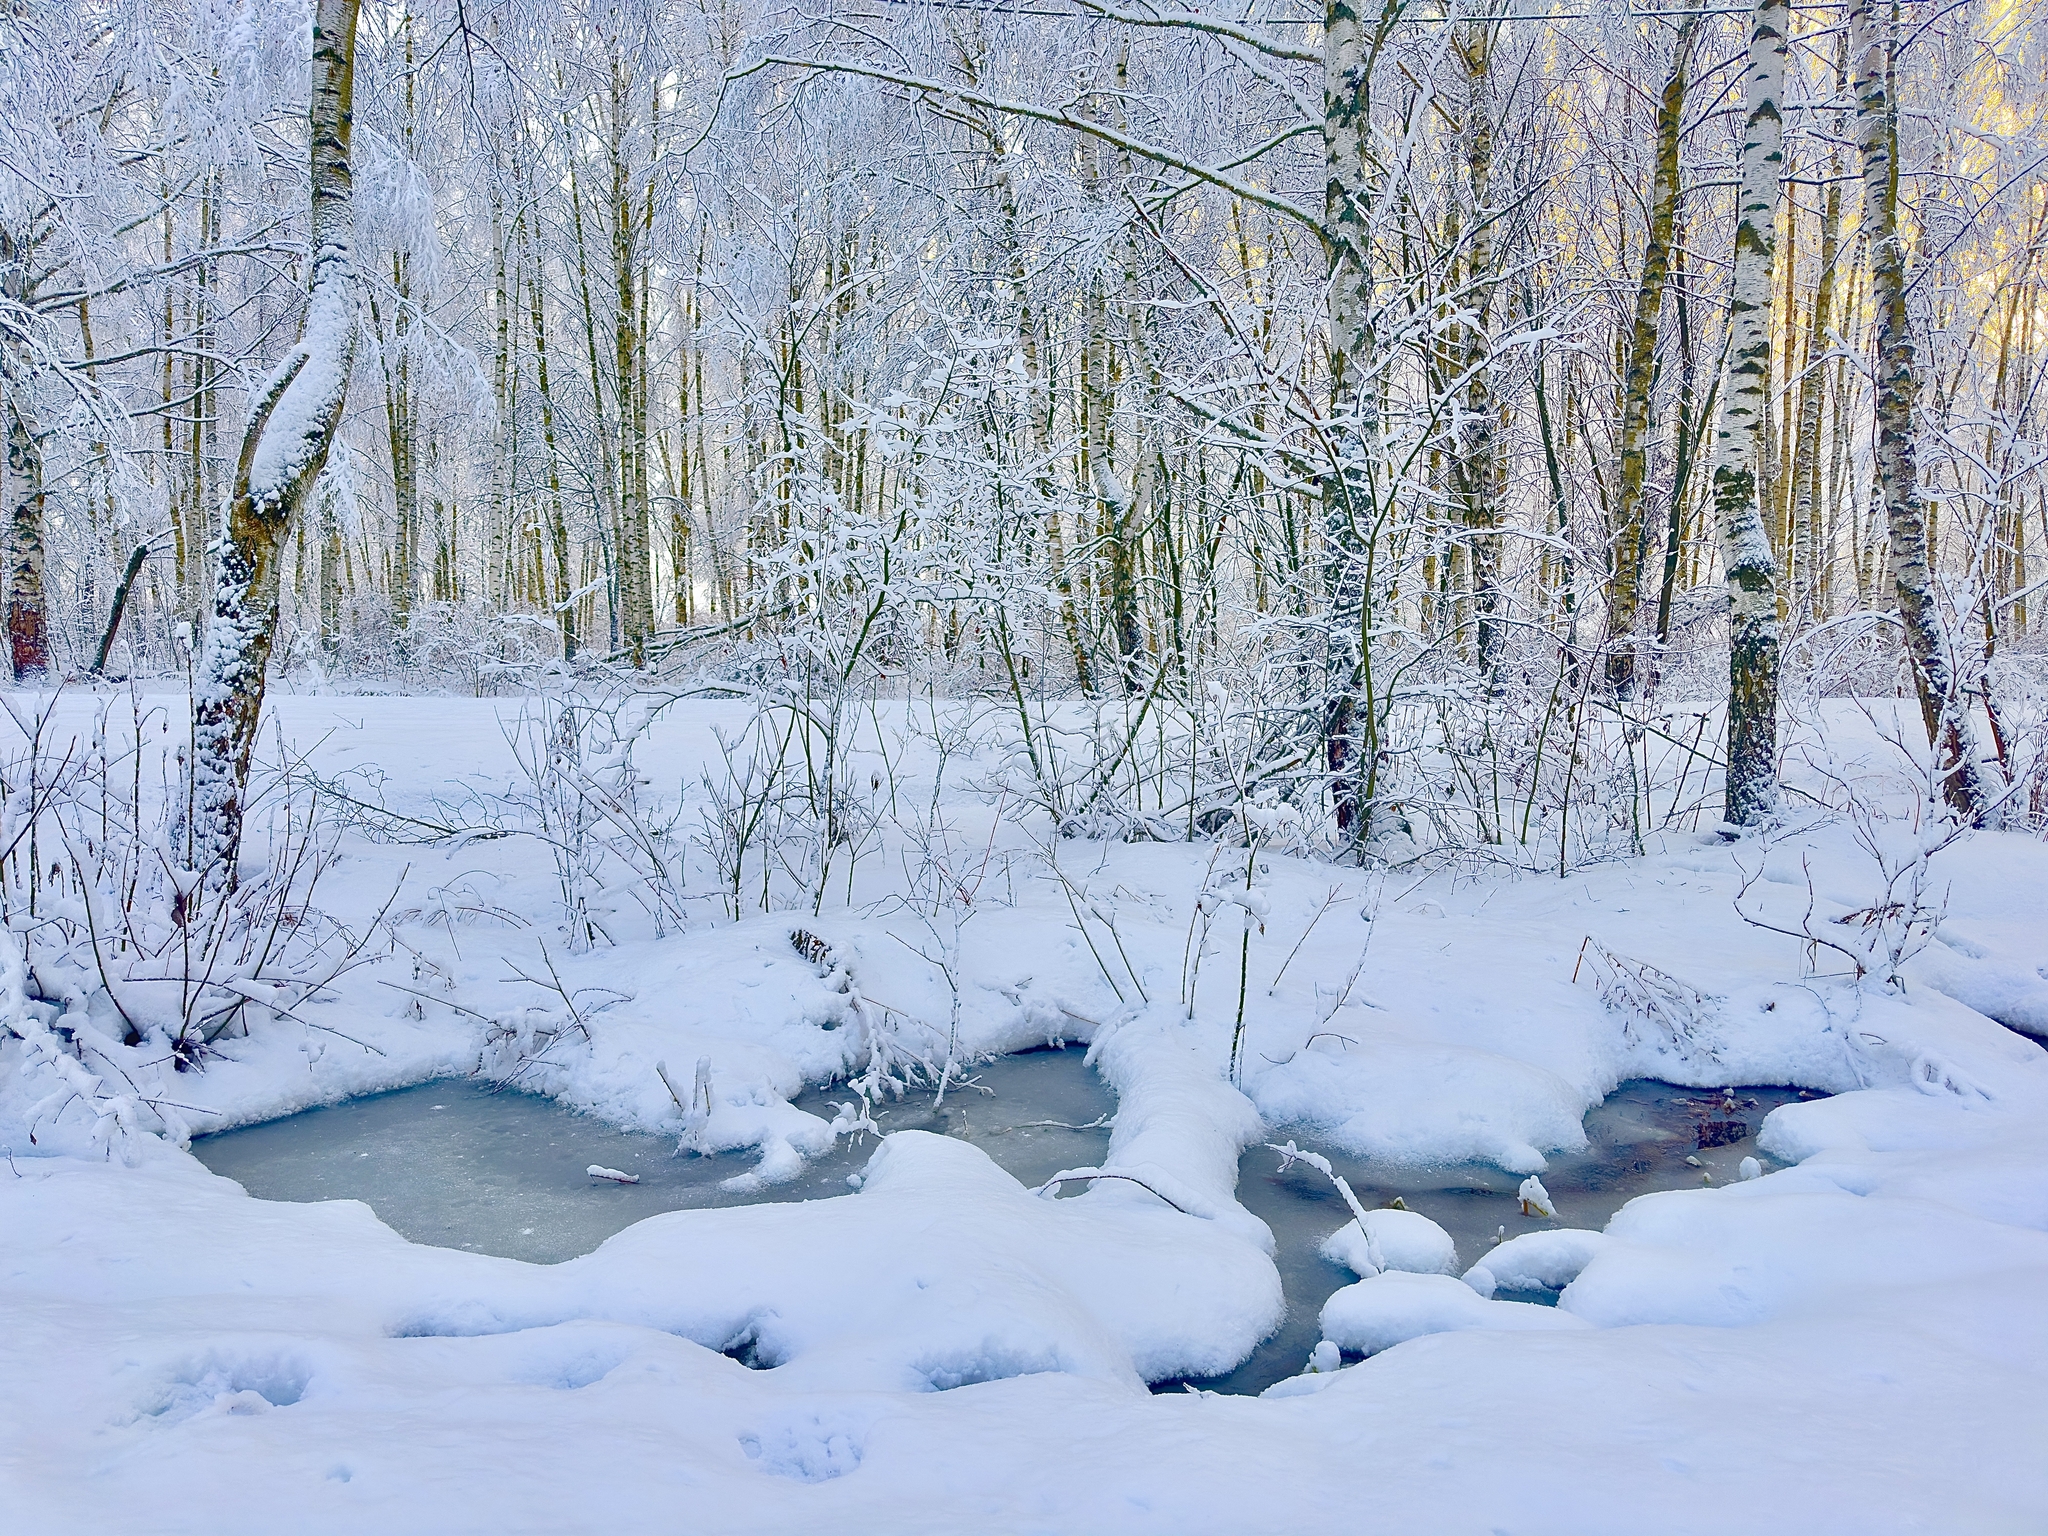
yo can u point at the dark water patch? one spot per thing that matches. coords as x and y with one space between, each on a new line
464 1164
1638 1141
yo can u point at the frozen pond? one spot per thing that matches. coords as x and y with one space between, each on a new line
1637 1140
461 1163
464 1164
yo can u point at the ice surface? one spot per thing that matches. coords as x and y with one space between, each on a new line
468 1165
465 1164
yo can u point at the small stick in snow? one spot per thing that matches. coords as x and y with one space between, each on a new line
612 1175
661 1070
1050 1187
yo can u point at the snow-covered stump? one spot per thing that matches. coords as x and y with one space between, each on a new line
292 424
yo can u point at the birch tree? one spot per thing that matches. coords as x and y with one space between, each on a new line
291 429
1751 796
1943 706
1350 744
28 637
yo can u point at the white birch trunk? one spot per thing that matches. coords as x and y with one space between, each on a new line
1752 786
27 622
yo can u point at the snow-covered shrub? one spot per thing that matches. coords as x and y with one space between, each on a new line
465 647
1182 759
2016 695
121 960
1900 834
787 810
584 798
519 1047
1858 656
476 648
578 791
889 1063
1656 1008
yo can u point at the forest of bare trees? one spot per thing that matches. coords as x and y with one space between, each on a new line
1437 410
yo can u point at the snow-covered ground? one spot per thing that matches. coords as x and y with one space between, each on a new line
1855 1342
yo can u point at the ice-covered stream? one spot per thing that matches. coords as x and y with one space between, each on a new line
461 1163
464 1164
1645 1136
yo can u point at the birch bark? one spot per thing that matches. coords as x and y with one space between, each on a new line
27 626
1751 796
1944 706
1346 231
28 635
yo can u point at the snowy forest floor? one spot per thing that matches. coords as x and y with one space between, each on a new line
1856 1342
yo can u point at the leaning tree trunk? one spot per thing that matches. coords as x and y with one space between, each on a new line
120 606
292 424
1639 373
1752 787
1942 703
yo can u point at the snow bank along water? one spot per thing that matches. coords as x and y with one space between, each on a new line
1645 1137
470 1165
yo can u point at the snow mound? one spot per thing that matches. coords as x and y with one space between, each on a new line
1392 1308
1783 1246
1406 1101
1400 1240
1535 1261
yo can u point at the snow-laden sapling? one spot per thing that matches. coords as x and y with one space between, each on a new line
1655 1007
523 1044
1907 906
1291 1154
888 1064
584 798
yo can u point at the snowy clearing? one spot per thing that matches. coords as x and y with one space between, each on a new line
1854 1342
